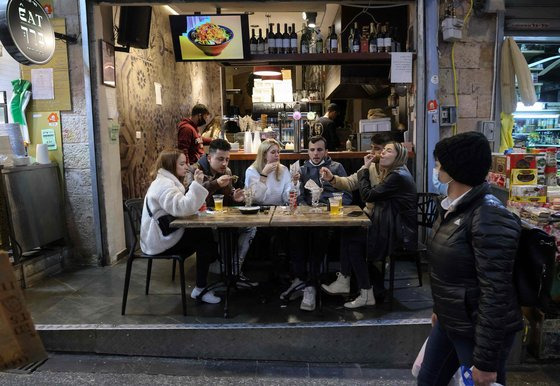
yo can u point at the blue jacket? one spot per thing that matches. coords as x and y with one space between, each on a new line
310 171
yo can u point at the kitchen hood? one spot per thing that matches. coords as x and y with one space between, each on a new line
356 82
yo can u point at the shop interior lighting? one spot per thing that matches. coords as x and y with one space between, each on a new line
310 18
534 64
538 106
267 71
535 115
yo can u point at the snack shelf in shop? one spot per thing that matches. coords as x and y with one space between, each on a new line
555 129
543 145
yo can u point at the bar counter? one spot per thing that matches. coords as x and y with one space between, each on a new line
336 155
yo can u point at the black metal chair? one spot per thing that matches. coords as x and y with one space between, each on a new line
426 211
134 211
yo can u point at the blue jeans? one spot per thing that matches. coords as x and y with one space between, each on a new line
445 352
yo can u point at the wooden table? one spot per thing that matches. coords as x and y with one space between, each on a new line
304 217
226 223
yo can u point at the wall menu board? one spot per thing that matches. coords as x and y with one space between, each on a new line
210 37
59 63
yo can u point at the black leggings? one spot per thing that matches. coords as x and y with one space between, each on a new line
202 242
353 255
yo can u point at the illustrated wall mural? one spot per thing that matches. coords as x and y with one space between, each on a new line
183 85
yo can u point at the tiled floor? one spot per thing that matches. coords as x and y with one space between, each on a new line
93 296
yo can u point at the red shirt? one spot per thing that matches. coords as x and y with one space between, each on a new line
189 140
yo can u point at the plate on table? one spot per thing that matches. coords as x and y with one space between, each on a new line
249 209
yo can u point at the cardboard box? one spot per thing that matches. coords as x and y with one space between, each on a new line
500 164
528 193
521 161
524 176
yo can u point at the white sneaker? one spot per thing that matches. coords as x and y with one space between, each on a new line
308 301
293 291
208 297
215 267
365 299
340 286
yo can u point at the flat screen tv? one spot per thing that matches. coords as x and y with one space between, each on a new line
210 37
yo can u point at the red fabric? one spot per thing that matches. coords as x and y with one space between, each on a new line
189 140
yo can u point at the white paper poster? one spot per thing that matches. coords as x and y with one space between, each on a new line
401 67
158 93
111 95
42 83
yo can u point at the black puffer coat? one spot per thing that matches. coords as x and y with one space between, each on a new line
394 224
472 252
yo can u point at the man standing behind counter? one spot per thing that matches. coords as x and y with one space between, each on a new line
189 140
329 127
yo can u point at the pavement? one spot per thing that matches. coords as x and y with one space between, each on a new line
68 369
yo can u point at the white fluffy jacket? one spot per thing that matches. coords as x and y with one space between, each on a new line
274 192
166 195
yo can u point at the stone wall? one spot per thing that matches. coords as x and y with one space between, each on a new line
77 173
183 85
474 57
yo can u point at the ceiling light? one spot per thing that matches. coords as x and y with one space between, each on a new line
267 71
310 17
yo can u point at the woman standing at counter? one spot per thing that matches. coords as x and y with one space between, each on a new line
270 180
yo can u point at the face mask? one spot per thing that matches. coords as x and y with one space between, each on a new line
202 122
441 187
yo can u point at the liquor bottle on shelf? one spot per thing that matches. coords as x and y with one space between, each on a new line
328 41
380 39
266 42
253 43
305 42
285 40
388 39
260 43
271 40
372 42
333 41
356 39
364 39
293 40
319 42
278 39
396 40
350 40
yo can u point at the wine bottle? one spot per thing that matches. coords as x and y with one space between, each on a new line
253 43
380 39
293 40
305 42
278 39
285 40
271 40
364 39
350 40
266 42
372 38
260 43
356 39
388 39
328 42
334 41
319 42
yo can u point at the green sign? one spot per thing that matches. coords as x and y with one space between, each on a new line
113 130
49 138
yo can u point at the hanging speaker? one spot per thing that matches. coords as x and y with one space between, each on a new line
134 26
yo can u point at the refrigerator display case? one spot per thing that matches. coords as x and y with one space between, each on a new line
537 125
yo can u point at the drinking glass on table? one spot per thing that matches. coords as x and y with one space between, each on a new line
218 202
335 206
249 196
338 196
315 197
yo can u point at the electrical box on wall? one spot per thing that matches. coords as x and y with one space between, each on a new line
447 115
452 29
487 128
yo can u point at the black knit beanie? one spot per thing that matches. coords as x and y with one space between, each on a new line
466 157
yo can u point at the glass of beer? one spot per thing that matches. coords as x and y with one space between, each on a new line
338 196
218 202
335 206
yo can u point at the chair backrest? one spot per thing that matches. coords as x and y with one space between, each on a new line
427 209
134 212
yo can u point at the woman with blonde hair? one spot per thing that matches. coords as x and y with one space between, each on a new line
166 196
213 129
393 224
269 179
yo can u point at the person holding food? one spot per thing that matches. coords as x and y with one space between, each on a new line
166 195
218 179
270 180
189 140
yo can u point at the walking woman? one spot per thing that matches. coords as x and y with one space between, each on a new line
166 195
472 252
393 224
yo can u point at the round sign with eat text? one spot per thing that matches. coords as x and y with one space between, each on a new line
26 31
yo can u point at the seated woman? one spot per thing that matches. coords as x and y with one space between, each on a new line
269 179
166 195
393 224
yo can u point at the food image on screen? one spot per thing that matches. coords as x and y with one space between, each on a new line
207 37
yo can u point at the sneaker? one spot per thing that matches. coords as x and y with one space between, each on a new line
245 282
341 286
365 299
208 297
308 301
215 267
294 291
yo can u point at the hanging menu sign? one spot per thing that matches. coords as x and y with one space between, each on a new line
26 31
